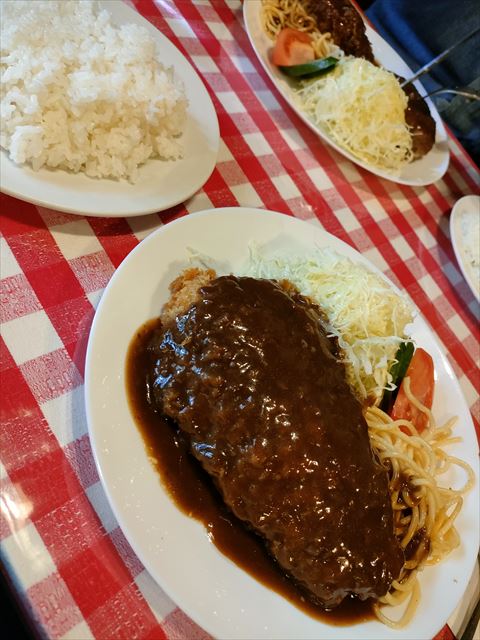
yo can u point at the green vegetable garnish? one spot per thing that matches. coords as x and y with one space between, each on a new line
397 371
310 69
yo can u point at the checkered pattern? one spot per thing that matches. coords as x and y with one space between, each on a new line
71 565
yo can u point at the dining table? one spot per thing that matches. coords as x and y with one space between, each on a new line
66 560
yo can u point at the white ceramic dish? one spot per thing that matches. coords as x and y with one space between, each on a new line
175 549
464 231
161 184
424 171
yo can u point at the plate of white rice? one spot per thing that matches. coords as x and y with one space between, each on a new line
101 114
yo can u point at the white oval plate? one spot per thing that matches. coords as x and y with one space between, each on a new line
424 171
175 549
160 184
464 219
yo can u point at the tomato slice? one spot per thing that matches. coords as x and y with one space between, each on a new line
292 47
420 372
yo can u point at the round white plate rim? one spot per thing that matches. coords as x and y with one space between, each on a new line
100 448
64 191
456 237
391 60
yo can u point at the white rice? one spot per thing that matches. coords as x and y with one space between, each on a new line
81 94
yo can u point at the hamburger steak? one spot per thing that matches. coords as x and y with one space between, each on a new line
246 371
345 25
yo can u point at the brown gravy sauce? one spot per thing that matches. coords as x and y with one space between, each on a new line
194 493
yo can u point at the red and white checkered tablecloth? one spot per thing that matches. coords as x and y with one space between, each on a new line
65 555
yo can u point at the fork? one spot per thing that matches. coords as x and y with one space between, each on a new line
426 67
466 92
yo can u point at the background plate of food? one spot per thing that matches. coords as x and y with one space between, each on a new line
352 103
101 113
179 550
465 234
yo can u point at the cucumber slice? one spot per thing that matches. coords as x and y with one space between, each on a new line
310 69
397 371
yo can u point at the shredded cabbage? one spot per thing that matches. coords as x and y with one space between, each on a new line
362 107
364 313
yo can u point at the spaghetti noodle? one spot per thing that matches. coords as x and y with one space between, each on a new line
296 14
424 511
